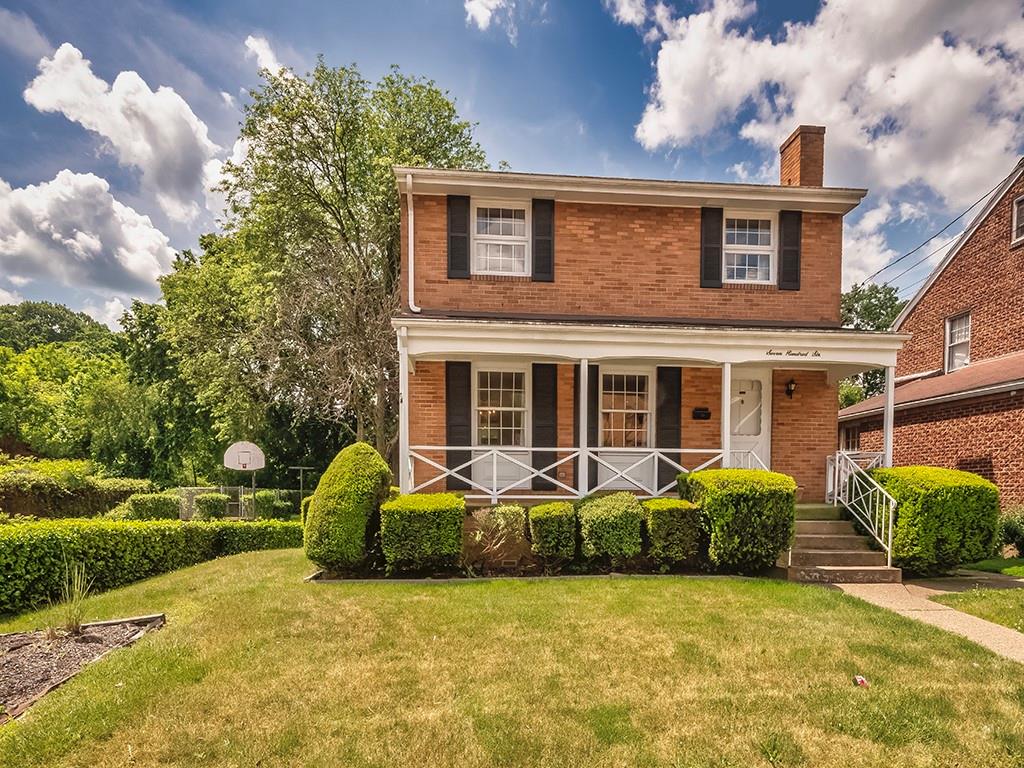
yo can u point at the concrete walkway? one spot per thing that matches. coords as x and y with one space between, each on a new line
910 599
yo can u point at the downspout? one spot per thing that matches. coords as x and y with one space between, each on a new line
412 247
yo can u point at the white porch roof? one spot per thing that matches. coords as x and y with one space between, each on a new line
841 351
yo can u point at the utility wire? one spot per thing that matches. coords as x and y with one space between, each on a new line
932 237
948 244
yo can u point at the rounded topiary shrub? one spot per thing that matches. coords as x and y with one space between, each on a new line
344 515
944 517
610 527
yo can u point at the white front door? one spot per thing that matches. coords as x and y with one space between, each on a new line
751 417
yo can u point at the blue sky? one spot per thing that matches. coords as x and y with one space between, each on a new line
115 116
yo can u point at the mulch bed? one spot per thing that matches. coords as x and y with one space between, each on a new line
34 663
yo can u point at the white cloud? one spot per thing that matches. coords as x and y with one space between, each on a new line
228 99
109 314
154 131
10 297
73 231
630 12
480 12
19 34
907 90
505 14
258 47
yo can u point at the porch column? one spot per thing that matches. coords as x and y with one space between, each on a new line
887 425
583 462
404 470
726 415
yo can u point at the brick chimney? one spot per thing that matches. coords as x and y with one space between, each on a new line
803 157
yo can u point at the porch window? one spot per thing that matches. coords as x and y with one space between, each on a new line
625 410
1017 232
958 342
501 408
749 248
500 240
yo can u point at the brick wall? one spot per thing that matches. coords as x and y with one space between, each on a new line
702 388
804 429
627 261
985 279
426 418
983 435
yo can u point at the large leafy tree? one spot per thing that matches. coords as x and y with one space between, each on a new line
314 204
32 323
868 307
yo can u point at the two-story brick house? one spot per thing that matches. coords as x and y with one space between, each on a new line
629 328
959 396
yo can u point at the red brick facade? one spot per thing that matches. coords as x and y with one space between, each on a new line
627 261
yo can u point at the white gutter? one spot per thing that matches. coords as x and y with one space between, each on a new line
412 245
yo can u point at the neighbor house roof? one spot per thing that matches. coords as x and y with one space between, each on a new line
993 199
601 189
990 376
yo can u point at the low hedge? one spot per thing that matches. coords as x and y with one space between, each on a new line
272 505
422 530
115 552
553 531
944 517
673 528
610 526
748 515
210 506
343 518
62 488
148 506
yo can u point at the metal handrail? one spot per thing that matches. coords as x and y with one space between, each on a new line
869 503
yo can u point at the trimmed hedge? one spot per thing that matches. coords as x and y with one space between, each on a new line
610 526
270 505
944 517
62 488
114 552
422 530
304 509
148 506
748 515
210 506
343 517
553 530
673 531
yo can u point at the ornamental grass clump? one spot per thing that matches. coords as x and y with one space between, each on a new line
343 518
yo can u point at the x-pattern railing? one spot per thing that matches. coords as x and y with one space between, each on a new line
869 503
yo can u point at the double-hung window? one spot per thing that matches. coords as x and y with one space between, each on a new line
749 252
958 342
1017 233
501 239
500 408
625 410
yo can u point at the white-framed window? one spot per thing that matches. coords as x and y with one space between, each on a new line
501 406
958 341
501 237
749 241
1017 232
625 409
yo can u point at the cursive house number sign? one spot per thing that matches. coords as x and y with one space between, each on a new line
793 353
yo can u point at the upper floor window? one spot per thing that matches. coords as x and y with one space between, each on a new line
958 342
1017 233
501 239
749 248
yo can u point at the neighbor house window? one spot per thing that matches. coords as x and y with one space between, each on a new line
625 410
958 342
501 408
851 439
1017 234
500 240
749 248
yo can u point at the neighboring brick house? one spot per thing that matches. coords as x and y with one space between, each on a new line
959 395
630 327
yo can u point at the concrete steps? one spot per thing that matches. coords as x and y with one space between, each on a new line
827 549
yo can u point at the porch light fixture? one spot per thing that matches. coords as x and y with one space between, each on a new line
790 388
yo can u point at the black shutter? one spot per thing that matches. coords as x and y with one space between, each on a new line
710 247
593 417
668 421
790 226
545 420
544 241
458 237
458 411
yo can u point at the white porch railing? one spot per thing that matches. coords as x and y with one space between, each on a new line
635 469
849 484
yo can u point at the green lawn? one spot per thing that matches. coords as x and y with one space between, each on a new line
1003 606
257 668
1011 566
